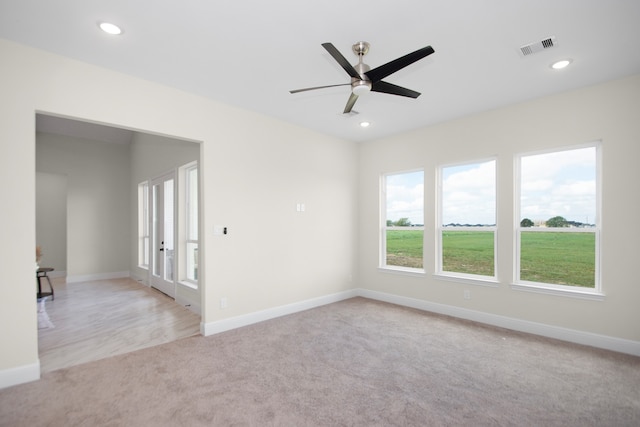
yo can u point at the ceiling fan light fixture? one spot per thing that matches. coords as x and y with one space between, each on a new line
364 124
360 87
110 28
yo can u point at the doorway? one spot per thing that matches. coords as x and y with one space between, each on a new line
101 166
163 262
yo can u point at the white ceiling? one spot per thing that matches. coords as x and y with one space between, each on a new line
251 53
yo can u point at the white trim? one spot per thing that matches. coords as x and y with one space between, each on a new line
228 324
571 335
19 375
620 345
564 291
57 274
518 230
469 279
441 227
406 271
189 285
98 276
382 245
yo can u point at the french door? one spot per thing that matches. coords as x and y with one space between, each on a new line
163 260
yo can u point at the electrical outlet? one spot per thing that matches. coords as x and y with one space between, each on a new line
467 294
224 303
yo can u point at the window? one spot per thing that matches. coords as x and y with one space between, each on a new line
143 224
467 220
402 227
189 226
558 232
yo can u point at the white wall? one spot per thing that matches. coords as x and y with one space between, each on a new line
98 201
607 112
255 170
51 220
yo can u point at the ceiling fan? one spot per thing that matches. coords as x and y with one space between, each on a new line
364 79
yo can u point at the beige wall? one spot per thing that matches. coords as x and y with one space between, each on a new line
97 202
51 220
608 112
255 170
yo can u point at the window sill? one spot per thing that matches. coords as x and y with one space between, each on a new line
480 281
404 271
559 290
190 285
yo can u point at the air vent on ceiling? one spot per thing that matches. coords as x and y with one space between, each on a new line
531 48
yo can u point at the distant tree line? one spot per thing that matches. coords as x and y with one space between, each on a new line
451 224
402 222
555 222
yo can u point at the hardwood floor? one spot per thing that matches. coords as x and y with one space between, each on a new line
98 319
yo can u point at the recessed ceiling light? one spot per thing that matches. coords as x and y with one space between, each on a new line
559 65
364 124
110 28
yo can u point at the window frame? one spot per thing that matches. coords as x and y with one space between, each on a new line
470 278
382 262
184 223
143 225
595 293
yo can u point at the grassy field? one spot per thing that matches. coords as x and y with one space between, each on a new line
560 258
468 252
404 248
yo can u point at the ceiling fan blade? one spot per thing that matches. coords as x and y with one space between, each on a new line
341 60
318 87
350 103
389 68
384 87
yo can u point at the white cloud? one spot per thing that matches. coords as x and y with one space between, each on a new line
468 194
562 183
405 197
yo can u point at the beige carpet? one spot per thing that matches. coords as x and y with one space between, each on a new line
353 363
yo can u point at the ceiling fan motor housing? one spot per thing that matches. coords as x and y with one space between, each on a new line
362 85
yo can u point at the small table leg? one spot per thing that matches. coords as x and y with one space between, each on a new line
40 273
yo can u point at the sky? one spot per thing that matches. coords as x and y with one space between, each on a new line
561 183
405 197
553 184
469 194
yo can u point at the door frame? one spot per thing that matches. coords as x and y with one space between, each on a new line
158 249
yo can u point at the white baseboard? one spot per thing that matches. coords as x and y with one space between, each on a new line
223 325
31 372
570 335
98 276
56 274
19 375
579 337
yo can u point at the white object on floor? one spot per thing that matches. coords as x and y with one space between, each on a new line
43 318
